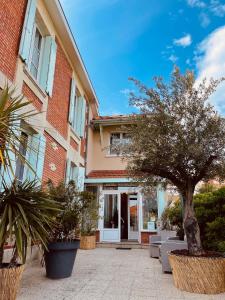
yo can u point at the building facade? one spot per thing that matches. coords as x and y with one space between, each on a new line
40 59
126 211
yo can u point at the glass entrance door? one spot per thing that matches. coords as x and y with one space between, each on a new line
111 215
132 217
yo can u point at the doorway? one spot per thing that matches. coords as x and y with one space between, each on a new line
129 217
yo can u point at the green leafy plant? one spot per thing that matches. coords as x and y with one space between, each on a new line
68 220
26 217
90 213
210 212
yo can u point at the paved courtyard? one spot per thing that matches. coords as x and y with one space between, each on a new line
107 274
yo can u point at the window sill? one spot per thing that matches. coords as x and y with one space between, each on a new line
113 155
34 82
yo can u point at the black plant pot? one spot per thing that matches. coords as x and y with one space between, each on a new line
59 259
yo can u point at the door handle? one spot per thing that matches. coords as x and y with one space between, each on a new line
122 220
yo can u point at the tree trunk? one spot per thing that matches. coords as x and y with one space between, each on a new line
191 227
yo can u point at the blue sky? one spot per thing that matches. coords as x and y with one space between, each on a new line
145 38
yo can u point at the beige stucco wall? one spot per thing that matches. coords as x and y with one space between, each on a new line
98 151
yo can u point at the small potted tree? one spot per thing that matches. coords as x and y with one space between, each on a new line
64 238
90 218
26 217
178 138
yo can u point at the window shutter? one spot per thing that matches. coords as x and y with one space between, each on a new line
26 38
80 173
67 175
32 157
80 116
83 117
40 156
48 65
72 101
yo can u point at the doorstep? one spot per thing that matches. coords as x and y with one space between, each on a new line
130 244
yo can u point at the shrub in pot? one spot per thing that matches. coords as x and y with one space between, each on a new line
90 216
26 216
178 138
64 237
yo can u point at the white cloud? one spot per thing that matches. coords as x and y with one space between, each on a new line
217 8
183 41
204 19
173 58
127 92
196 3
211 63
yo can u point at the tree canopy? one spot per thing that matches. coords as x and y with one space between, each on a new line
178 135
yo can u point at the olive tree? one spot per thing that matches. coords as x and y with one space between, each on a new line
177 138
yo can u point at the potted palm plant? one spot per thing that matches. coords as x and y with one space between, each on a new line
89 222
64 238
26 216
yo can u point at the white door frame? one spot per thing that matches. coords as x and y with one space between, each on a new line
109 234
130 237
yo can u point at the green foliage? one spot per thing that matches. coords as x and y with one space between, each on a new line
68 220
26 216
90 213
178 136
172 217
210 212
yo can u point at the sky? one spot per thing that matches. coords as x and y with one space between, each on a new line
119 39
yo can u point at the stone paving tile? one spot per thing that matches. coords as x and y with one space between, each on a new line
107 274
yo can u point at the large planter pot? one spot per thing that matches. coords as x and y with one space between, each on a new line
88 242
203 275
59 259
10 281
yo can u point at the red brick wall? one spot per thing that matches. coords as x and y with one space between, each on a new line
32 97
57 157
11 24
145 237
74 144
58 105
82 147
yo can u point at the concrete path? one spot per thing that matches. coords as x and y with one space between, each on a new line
107 274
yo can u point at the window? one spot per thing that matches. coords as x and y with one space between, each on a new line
20 163
110 211
72 175
35 55
117 141
149 210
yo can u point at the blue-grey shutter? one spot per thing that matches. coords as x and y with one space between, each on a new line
72 101
48 65
68 167
80 174
32 157
80 118
40 156
83 117
26 38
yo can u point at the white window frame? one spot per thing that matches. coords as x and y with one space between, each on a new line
121 138
36 27
75 111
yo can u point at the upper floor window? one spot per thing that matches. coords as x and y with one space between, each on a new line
35 53
117 140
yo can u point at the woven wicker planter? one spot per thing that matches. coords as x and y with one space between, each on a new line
203 275
88 242
10 282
